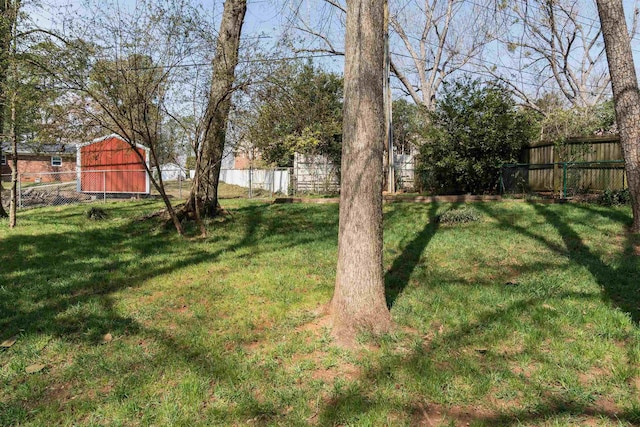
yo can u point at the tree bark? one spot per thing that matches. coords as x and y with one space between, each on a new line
5 39
13 205
358 302
626 96
218 107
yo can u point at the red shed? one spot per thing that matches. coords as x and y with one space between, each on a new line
111 165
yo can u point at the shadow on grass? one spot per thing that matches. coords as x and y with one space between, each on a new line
62 284
619 283
397 277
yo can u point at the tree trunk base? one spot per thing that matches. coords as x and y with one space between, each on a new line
346 325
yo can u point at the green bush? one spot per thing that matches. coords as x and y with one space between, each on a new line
615 197
475 128
459 216
96 214
191 162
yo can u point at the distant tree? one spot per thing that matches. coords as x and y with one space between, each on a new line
626 95
553 46
300 110
10 12
358 302
475 128
409 124
557 122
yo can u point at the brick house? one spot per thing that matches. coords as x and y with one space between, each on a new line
41 163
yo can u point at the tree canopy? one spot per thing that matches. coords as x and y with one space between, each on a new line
300 110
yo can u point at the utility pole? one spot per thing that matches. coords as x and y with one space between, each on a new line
388 111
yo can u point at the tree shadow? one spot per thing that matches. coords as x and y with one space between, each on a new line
64 283
620 284
398 276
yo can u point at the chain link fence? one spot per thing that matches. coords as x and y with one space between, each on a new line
63 188
564 180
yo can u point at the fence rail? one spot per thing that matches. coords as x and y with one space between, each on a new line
565 179
62 188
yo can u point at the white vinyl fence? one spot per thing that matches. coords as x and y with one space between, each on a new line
273 180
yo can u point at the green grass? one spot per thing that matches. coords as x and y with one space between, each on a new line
526 317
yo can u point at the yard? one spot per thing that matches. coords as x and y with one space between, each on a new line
528 317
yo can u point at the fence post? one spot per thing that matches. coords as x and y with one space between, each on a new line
250 181
104 186
19 191
273 182
564 180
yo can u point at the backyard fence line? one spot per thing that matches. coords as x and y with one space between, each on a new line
563 179
38 189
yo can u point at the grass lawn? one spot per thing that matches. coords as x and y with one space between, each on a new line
528 317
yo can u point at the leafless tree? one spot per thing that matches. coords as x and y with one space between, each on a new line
436 38
6 26
126 64
553 46
429 40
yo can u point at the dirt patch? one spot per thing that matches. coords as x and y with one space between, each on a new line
317 326
432 415
345 371
636 250
592 375
524 371
254 346
316 357
606 406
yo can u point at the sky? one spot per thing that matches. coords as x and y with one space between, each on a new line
265 19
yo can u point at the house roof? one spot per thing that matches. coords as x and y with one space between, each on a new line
47 149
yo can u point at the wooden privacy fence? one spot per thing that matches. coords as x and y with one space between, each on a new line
565 179
577 165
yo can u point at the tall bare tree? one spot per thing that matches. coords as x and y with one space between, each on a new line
436 39
358 301
5 44
209 154
554 44
626 96
12 8
125 63
430 39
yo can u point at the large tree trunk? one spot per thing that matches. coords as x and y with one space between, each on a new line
5 40
217 113
626 96
358 302
13 205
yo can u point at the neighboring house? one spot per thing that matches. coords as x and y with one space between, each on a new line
110 165
41 163
244 157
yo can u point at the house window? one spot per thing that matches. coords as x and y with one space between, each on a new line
56 161
3 160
